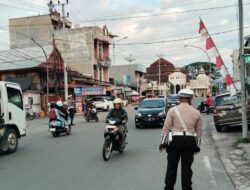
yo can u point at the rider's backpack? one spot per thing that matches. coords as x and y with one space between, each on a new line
52 114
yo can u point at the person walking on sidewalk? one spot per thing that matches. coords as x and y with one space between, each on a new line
181 136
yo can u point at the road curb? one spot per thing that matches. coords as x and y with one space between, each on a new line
232 158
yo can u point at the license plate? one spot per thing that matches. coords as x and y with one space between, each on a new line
52 129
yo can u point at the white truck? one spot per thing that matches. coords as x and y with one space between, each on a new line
12 116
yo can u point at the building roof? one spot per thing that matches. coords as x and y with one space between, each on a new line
163 62
14 59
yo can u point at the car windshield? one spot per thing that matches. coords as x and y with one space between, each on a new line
173 98
228 100
152 104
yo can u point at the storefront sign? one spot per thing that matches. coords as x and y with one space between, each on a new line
78 91
92 91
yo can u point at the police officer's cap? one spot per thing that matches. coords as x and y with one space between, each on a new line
187 93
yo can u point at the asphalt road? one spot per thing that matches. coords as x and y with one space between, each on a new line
75 162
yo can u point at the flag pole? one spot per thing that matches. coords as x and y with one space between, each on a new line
219 55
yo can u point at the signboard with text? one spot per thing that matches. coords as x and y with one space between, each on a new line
92 91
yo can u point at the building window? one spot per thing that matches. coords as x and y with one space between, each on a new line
44 78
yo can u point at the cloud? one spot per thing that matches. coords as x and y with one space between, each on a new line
153 28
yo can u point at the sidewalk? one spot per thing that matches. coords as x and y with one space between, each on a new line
235 157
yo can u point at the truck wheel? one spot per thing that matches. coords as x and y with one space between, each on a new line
11 139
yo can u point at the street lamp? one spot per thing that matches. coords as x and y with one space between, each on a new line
210 64
46 65
197 47
114 45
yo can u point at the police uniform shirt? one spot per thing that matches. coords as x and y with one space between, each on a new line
191 117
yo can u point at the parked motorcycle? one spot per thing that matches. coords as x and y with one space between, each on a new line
204 109
56 128
29 114
112 139
91 115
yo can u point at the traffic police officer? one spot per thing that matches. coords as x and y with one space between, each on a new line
181 136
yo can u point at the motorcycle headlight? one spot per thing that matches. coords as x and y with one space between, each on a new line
161 113
138 114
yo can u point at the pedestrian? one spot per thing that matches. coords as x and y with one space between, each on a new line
72 110
181 136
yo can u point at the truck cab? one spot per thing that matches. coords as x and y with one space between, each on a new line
12 116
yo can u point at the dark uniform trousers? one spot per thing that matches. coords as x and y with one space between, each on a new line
71 114
182 147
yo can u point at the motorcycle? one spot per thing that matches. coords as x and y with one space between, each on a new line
91 114
203 108
56 128
112 139
29 114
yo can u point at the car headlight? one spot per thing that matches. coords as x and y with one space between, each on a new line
138 114
161 113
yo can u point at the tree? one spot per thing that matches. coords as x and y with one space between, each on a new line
194 68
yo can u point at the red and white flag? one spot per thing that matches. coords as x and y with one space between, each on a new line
210 46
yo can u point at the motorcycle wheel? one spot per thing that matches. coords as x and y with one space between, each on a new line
31 117
96 119
55 134
68 131
107 150
87 119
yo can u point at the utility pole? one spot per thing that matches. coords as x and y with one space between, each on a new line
160 56
242 73
66 93
51 6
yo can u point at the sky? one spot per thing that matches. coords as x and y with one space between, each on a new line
159 23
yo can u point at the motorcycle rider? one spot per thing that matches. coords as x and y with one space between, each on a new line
89 107
119 112
63 113
209 103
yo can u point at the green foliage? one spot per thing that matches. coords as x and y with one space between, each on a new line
194 68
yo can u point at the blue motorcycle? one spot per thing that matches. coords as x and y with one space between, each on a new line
56 127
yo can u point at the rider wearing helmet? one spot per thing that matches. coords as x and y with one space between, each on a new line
119 112
62 112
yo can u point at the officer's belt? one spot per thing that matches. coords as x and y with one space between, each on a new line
184 134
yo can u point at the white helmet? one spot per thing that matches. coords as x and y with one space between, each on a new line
59 103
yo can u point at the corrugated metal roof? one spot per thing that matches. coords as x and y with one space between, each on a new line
14 59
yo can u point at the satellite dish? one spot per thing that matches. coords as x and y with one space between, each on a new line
130 59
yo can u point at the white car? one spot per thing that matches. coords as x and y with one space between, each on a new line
125 102
103 102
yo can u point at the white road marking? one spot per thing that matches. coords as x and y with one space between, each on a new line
208 166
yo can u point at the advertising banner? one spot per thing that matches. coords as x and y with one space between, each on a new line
92 91
78 105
